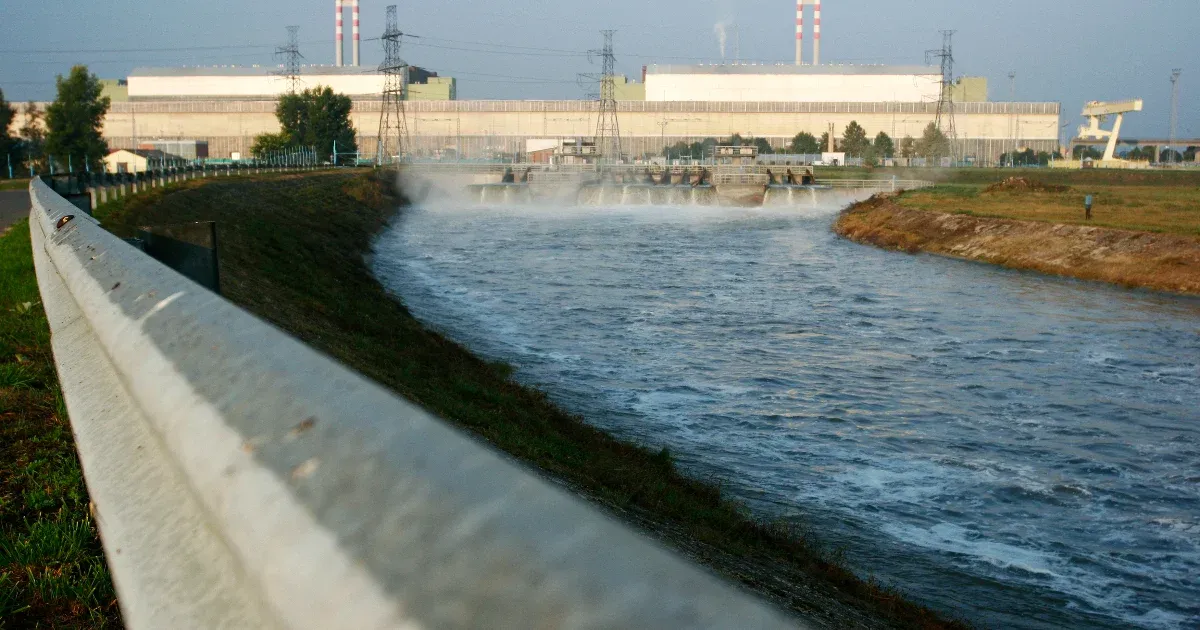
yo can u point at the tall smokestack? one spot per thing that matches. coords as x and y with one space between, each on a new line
816 32
337 32
354 10
799 32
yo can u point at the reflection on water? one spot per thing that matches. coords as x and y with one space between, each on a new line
1019 449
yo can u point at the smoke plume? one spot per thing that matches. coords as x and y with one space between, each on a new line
719 29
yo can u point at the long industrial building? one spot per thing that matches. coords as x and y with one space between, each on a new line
478 129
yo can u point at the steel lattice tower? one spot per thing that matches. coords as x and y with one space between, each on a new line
1174 112
291 59
608 131
945 108
393 122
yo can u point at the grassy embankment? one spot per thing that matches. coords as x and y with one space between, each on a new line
52 569
292 251
1145 230
983 177
14 184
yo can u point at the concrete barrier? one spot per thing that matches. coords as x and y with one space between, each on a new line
241 479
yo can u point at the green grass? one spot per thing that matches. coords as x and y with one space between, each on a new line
52 568
14 184
1167 209
986 176
292 251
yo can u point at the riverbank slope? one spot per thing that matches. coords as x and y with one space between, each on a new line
1145 238
293 251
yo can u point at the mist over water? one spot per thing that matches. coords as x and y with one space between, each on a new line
1021 450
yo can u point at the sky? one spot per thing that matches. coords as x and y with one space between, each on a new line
1067 51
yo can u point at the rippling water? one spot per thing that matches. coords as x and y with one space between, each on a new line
1021 450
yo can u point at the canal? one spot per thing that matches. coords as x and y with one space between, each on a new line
1019 450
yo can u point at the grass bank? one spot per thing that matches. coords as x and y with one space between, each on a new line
1140 236
14 184
293 250
52 568
987 176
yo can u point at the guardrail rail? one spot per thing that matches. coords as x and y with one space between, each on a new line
241 479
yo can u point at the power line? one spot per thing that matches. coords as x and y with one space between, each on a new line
136 50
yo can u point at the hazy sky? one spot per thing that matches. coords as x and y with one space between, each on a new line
1068 51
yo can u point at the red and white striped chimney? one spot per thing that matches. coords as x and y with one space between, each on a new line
799 32
337 32
816 32
354 10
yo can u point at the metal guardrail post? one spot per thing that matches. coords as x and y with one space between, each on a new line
241 479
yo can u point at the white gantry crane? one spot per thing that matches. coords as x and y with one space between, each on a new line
1096 113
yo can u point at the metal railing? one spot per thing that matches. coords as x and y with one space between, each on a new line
241 479
882 185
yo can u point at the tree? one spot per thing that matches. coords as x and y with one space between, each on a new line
75 118
804 144
10 147
884 147
764 147
268 143
824 142
317 117
908 147
854 140
933 143
1170 155
34 133
1191 153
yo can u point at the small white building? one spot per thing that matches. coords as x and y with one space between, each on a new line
140 160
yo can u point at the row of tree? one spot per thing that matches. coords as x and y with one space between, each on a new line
1144 154
854 142
67 133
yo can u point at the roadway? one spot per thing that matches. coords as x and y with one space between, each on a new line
14 206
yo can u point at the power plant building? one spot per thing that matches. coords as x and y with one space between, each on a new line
789 83
258 82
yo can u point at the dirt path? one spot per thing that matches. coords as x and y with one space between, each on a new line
14 206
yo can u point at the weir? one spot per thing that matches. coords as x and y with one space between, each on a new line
751 185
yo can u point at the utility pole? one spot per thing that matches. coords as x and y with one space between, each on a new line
1012 122
944 120
290 53
608 130
662 126
392 118
1174 111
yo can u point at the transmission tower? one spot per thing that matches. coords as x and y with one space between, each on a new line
1174 112
945 107
290 54
608 131
393 123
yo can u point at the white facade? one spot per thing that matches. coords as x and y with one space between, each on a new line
237 83
809 84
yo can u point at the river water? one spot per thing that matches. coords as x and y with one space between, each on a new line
1019 450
